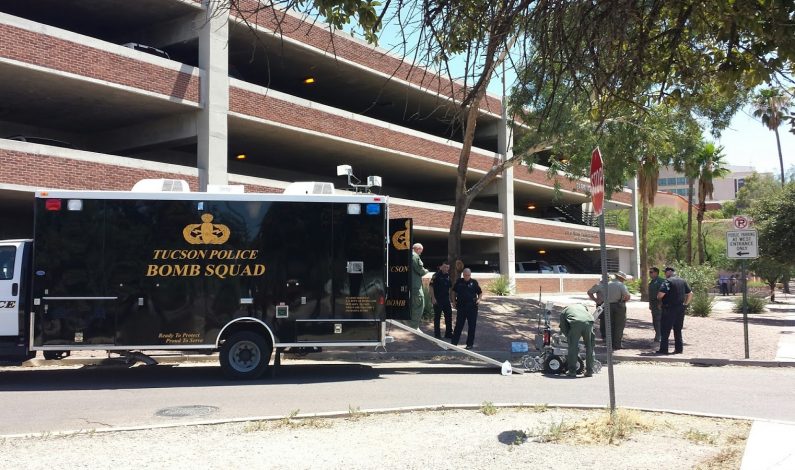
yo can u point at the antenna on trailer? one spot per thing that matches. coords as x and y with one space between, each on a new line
355 183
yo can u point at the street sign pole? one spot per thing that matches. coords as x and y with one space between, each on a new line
745 307
597 198
606 312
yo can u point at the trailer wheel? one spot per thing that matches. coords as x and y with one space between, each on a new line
245 355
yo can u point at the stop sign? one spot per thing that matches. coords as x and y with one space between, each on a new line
597 182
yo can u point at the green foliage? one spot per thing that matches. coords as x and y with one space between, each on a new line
774 218
701 305
500 286
756 304
633 286
700 278
757 188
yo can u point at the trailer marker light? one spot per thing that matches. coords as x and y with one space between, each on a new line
354 209
52 204
74 205
376 199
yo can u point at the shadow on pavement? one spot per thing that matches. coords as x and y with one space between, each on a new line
169 376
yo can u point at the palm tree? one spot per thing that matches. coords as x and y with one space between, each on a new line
771 106
648 173
688 165
711 166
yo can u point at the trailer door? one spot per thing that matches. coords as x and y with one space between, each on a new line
10 287
398 302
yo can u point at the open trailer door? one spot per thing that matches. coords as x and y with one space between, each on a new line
398 301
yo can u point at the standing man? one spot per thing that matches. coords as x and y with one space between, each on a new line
466 296
577 322
617 297
675 295
417 297
440 298
654 304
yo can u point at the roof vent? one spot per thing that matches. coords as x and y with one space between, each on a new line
309 187
161 185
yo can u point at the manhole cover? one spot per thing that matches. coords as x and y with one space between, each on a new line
185 411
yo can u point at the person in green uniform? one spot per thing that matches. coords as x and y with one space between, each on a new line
417 297
577 322
654 304
617 297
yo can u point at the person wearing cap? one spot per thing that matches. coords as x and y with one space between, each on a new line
617 297
577 322
654 304
675 295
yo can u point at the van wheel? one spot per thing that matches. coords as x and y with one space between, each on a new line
245 355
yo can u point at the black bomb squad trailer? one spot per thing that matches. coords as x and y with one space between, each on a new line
241 274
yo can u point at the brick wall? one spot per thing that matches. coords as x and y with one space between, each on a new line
285 112
539 176
317 35
441 219
65 56
529 229
531 285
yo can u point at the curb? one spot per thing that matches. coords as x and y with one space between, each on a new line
356 356
378 411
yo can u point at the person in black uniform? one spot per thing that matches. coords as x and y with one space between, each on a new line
440 298
675 294
466 296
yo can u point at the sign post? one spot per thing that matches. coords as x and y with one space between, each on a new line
597 199
742 244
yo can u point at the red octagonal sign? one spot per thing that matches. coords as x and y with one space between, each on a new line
597 182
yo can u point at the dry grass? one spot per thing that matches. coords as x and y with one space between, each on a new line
488 408
698 437
729 458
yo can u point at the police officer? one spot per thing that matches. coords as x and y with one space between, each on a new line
654 305
577 322
417 297
440 298
675 294
466 296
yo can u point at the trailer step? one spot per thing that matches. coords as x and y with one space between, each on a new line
445 345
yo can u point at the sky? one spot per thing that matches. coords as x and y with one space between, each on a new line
748 143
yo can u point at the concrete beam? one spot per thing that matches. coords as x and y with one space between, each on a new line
184 29
214 62
173 130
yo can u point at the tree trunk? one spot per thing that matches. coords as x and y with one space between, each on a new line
780 157
700 220
644 252
689 240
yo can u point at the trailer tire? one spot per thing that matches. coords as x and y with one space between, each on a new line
245 355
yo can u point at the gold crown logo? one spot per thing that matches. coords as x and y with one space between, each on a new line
401 238
206 233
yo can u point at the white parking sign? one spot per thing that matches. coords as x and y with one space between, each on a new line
742 244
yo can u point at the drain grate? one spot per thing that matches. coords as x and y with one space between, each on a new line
186 411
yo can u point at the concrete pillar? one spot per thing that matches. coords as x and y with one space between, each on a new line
212 119
634 227
506 204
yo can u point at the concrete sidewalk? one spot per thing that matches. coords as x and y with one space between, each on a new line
769 446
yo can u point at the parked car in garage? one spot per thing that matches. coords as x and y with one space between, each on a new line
534 266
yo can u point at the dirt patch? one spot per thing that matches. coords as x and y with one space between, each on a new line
489 438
